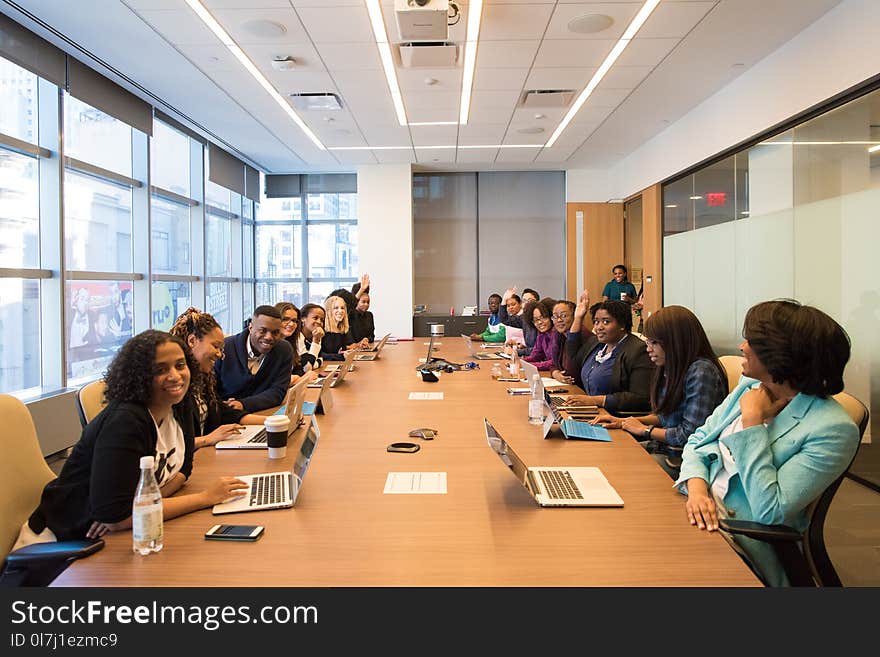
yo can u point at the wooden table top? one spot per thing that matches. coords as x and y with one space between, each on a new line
486 531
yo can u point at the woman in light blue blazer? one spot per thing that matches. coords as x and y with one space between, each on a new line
778 440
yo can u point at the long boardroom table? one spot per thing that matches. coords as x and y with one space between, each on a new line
486 531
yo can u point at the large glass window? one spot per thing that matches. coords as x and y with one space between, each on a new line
306 246
20 327
169 159
92 136
18 109
100 320
97 224
19 210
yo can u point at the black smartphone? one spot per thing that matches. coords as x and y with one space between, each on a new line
428 376
234 532
403 447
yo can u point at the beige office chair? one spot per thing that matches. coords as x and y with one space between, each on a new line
803 554
733 367
23 475
90 400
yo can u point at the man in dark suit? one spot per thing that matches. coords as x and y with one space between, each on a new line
255 373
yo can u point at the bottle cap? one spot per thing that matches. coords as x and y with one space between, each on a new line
146 463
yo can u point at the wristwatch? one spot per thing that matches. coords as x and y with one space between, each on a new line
648 432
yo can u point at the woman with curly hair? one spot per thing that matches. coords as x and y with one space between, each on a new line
213 421
149 413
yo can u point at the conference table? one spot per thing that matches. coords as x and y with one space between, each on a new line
486 530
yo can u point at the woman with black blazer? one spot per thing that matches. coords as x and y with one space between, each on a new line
149 413
614 370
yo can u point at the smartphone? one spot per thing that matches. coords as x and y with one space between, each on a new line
234 532
403 447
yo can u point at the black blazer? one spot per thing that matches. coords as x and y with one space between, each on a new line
630 376
98 481
362 325
331 343
256 392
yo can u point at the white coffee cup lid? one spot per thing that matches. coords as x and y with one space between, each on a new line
277 422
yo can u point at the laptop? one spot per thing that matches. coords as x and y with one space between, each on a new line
273 490
335 371
372 353
473 352
325 398
254 436
555 486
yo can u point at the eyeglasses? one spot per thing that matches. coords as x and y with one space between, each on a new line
653 343
559 316
541 319
288 320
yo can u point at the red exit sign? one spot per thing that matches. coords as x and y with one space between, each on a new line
716 199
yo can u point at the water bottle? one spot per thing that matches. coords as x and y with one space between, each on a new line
536 402
146 511
514 362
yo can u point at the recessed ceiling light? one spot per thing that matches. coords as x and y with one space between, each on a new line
672 205
590 23
535 130
264 29
695 198
874 149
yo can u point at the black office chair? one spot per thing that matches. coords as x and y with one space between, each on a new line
803 554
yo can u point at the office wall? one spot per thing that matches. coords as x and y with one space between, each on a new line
385 231
833 54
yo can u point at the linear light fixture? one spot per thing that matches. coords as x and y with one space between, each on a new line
618 48
375 11
443 147
874 149
475 12
227 41
433 123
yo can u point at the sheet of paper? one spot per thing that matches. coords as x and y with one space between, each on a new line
426 395
418 483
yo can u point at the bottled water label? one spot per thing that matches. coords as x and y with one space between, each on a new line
147 525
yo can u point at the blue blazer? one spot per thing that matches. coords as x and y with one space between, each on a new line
256 392
782 467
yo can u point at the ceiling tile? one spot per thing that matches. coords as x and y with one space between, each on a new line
555 154
333 137
606 97
240 23
355 157
674 19
431 114
304 53
571 53
350 56
433 135
305 82
480 114
440 100
210 58
559 78
550 116
431 155
476 155
503 99
506 54
382 134
516 155
337 24
371 80
413 79
625 77
492 79
315 3
180 27
646 52
621 14
515 137
391 157
238 4
506 22
480 134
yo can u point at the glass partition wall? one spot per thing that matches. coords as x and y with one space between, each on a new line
792 216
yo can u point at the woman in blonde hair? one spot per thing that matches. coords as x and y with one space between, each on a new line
337 334
214 421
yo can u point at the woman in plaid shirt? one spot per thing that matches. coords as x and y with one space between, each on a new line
689 383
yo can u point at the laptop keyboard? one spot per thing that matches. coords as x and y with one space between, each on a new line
267 489
560 485
259 437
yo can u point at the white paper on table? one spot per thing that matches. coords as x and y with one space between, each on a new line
426 395
420 483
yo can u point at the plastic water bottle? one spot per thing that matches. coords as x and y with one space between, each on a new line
514 362
146 511
536 402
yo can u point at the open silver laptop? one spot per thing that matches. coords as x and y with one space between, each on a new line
485 355
555 486
336 372
274 490
372 353
254 436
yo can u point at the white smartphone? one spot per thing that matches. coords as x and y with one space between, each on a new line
234 532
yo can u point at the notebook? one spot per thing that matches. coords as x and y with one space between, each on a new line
254 436
473 352
372 353
273 490
555 486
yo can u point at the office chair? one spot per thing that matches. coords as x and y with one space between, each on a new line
803 554
733 368
90 401
23 475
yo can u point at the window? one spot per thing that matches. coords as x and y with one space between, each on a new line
20 326
92 136
18 92
97 224
306 246
169 159
99 321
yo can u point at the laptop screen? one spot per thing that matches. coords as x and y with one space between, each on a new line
430 349
505 452
302 461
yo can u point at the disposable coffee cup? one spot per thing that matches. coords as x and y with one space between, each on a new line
277 427
623 296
